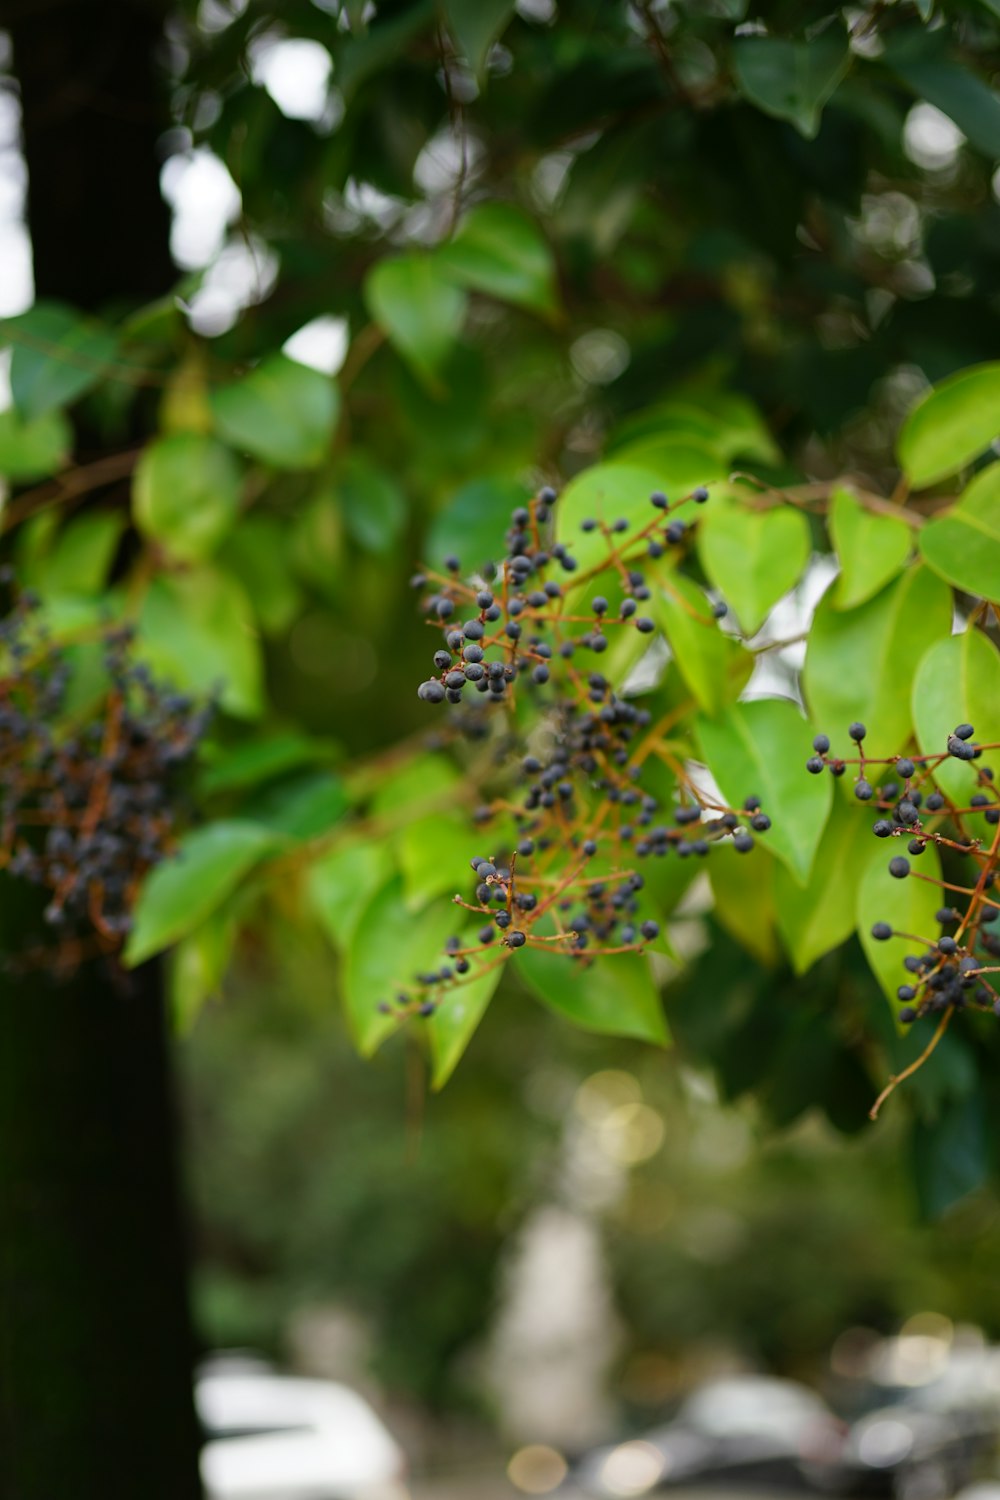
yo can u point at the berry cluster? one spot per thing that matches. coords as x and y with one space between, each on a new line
951 972
573 815
86 798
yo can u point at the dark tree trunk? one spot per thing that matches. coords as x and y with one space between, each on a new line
95 1345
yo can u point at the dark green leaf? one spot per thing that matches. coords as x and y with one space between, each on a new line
258 553
791 80
181 892
951 1156
963 544
475 25
919 59
758 749
186 494
255 761
857 659
871 549
58 355
373 505
752 556
301 807
419 309
951 426
282 413
743 887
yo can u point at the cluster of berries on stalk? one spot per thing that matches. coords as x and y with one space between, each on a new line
87 789
572 815
956 969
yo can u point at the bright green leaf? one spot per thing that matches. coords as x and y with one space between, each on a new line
58 354
958 682
181 892
186 494
421 783
196 631
198 965
434 854
35 448
78 559
459 1013
499 251
282 413
604 493
389 947
817 917
791 80
343 882
714 666
952 425
908 905
859 661
614 995
871 549
963 544
751 556
758 749
419 309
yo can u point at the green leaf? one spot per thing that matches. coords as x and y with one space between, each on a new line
305 806
186 494
860 661
79 560
817 917
963 544
908 905
613 995
919 58
186 888
951 1155
419 309
953 424
36 448
258 553
434 854
58 354
282 413
603 492
758 749
196 631
714 666
423 782
390 946
252 762
752 557
958 682
499 251
452 1025
871 549
198 965
473 523
343 882
475 25
372 503
791 80
743 887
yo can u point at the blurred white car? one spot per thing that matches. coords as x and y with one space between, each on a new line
277 1437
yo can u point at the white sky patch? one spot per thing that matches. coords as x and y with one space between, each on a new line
17 283
321 344
243 274
931 139
205 202
296 73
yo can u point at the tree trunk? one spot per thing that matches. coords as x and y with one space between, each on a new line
95 1344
